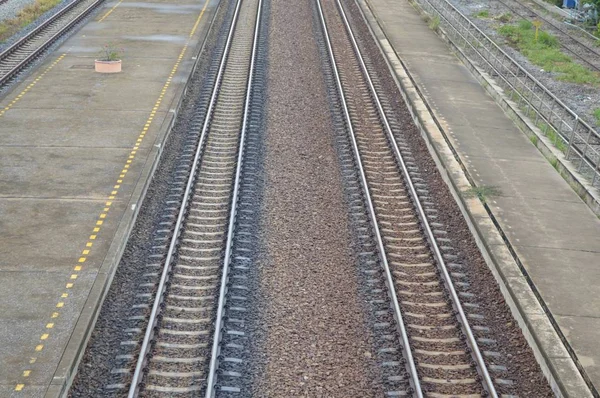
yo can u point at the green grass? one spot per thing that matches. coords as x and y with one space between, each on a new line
434 23
26 16
483 192
506 17
597 115
483 14
545 53
534 140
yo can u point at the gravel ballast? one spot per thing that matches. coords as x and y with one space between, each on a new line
315 342
514 352
581 98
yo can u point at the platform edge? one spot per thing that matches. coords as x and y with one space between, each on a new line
550 352
75 348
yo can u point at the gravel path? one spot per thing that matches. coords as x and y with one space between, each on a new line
315 339
582 99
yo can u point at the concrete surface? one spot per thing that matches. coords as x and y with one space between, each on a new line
554 234
77 150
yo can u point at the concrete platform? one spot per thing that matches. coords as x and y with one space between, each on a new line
77 150
553 233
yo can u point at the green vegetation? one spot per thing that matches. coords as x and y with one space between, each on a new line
483 14
545 52
505 18
534 140
434 24
26 16
483 192
597 115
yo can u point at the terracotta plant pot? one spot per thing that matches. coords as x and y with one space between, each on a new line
108 66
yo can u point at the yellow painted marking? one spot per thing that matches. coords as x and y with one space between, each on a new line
26 373
64 295
96 229
110 11
22 93
32 360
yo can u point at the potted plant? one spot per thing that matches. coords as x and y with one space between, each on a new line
110 60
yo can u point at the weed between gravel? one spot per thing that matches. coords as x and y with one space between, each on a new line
597 115
26 16
483 193
545 52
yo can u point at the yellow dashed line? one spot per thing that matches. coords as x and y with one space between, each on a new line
113 193
110 11
26 373
22 93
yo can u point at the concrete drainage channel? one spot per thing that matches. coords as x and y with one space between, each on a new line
437 299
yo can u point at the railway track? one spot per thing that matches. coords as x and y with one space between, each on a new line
182 343
440 350
24 51
585 54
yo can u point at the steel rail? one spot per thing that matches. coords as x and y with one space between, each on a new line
18 45
484 45
214 363
553 25
412 370
471 341
152 322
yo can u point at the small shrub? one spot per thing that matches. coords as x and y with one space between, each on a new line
483 14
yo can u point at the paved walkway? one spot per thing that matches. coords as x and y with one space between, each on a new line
76 151
555 235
